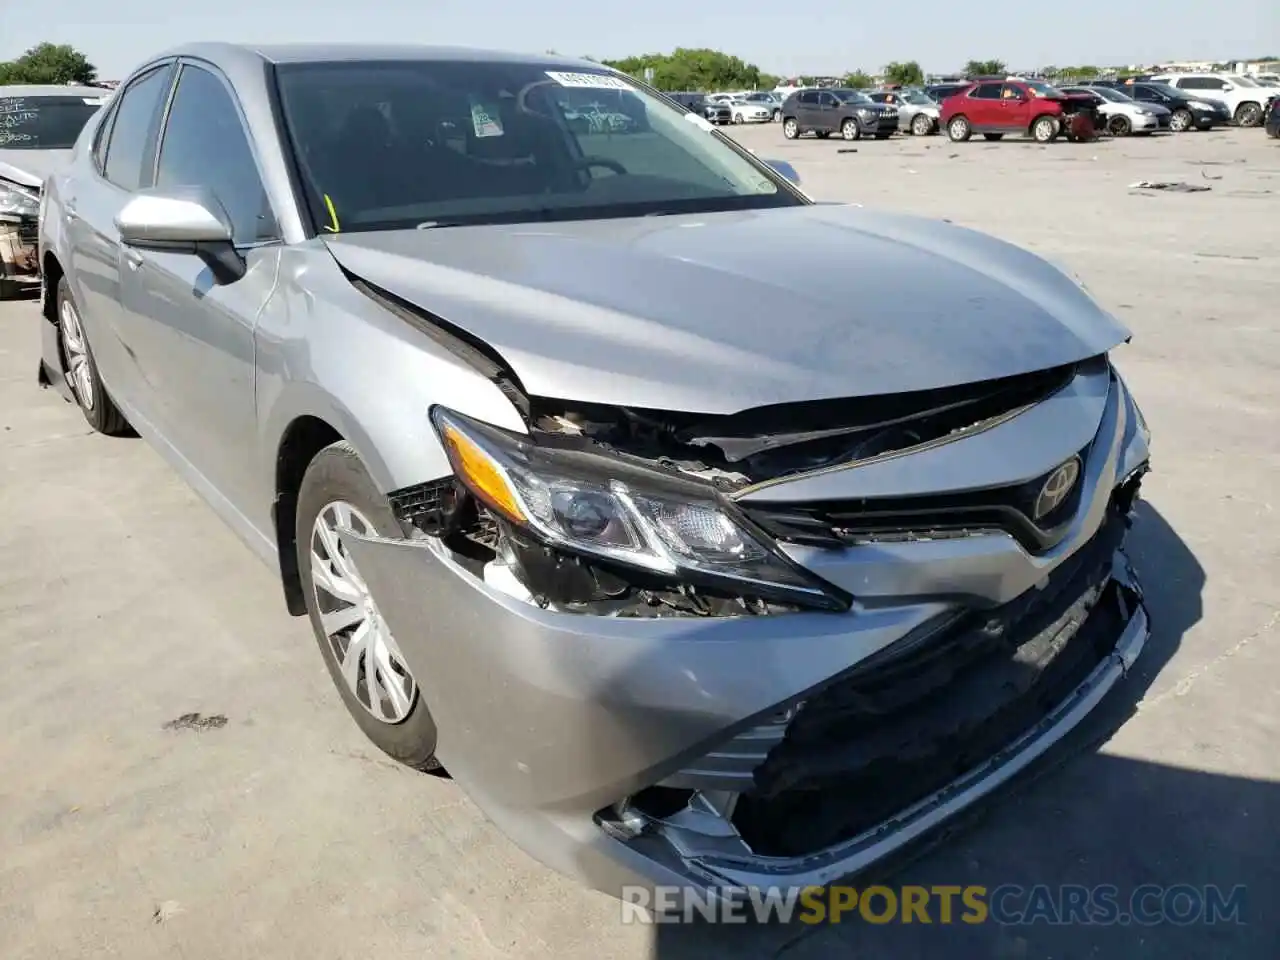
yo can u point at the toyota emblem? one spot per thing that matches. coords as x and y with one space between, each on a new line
1056 488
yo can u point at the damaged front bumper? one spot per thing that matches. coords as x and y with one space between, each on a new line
19 259
664 750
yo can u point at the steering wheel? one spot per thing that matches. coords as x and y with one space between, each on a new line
587 162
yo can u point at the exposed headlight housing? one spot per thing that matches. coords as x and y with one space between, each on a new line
611 509
17 201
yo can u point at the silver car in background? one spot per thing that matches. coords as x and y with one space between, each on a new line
687 569
38 126
918 113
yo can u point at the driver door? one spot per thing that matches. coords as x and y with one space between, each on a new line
196 338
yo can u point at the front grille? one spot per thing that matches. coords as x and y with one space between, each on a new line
850 522
905 723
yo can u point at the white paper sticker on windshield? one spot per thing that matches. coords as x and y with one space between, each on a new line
94 101
700 122
598 81
484 120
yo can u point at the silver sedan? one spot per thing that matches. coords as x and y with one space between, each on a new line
686 568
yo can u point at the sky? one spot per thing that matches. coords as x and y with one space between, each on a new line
939 34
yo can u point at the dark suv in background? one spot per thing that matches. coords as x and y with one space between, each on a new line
850 113
1187 111
1272 122
717 113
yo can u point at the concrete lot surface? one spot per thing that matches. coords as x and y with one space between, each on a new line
125 605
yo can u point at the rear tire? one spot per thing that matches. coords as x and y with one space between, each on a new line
1248 114
100 412
336 476
958 129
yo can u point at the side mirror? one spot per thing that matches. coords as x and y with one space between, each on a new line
183 220
785 170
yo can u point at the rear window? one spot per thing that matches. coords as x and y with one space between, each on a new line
44 122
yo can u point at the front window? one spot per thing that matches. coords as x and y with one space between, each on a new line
1040 89
386 145
44 122
853 97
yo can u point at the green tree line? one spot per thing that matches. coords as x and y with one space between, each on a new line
49 63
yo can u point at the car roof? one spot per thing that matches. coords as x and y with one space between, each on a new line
281 53
52 90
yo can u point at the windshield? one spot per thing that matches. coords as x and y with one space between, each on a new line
1108 93
44 122
916 97
387 145
1243 82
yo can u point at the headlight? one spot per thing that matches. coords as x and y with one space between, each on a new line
609 508
866 112
18 201
1203 107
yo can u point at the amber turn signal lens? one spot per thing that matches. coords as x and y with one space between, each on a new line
481 475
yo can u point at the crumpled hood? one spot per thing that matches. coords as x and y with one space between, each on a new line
31 167
716 313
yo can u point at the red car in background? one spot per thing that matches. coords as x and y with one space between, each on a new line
1033 108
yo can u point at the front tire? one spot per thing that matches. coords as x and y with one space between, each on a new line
82 370
362 657
958 129
737 118
1181 121
790 129
1045 129
777 115
921 125
849 130
1119 126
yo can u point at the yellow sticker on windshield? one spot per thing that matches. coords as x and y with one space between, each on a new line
332 226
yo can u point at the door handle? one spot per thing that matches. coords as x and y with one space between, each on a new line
69 211
133 258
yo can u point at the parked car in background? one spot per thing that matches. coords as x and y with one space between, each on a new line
999 108
1186 111
940 91
918 113
1272 122
38 127
742 110
850 113
1244 98
1122 114
690 567
768 98
712 110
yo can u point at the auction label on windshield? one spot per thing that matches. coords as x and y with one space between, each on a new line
484 119
598 81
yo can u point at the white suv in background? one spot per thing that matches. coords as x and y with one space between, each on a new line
1244 97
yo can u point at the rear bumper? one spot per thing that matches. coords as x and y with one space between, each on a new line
553 722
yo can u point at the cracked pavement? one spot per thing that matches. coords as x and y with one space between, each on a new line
126 606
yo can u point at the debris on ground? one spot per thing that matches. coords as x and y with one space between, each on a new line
166 910
194 721
847 150
1173 186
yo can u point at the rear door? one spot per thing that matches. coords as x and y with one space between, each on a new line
196 338
810 116
982 107
124 150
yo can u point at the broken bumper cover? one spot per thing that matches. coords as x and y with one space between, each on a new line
19 260
551 721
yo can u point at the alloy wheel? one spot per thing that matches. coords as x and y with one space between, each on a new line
367 655
1249 115
1179 121
921 125
79 371
790 129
